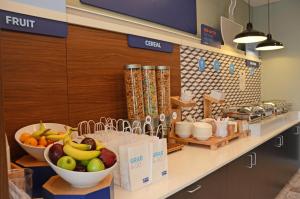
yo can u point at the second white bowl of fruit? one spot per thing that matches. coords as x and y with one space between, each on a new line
82 164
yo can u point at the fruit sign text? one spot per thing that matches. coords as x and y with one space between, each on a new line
15 21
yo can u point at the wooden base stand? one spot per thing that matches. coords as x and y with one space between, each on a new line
41 173
57 188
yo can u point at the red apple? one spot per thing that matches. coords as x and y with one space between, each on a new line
108 157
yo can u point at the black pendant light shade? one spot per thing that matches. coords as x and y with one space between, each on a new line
269 44
249 35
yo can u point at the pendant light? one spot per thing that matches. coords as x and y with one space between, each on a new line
270 43
249 35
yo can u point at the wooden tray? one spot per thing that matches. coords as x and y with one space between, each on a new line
173 147
213 143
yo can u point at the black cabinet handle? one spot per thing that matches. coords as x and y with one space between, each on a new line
196 189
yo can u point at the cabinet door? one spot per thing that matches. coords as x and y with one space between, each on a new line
211 187
259 179
251 182
282 150
275 156
290 145
240 175
282 157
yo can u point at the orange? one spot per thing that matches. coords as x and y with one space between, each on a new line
49 142
43 141
31 141
41 146
24 136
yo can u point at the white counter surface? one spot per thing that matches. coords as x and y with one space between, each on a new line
193 163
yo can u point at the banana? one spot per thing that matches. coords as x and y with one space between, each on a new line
56 137
83 147
50 132
67 139
39 132
99 145
79 154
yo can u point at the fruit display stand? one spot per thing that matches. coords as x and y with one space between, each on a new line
57 188
41 173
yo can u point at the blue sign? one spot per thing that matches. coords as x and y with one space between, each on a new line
25 23
231 68
201 64
216 65
252 71
250 63
178 14
210 36
151 44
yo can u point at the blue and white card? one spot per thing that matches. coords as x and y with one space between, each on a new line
231 68
216 65
201 64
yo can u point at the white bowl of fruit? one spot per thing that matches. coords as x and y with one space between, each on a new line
82 164
36 137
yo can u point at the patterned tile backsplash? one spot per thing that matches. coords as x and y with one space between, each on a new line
200 83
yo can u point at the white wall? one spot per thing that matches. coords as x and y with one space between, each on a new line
281 69
208 12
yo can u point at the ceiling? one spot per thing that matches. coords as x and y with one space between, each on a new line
260 2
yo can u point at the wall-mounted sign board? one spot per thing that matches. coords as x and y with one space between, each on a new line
25 23
254 64
150 44
210 36
178 14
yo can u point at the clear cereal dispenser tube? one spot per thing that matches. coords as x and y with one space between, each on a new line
163 90
149 91
134 92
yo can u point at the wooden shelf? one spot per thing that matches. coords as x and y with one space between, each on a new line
175 100
213 100
208 100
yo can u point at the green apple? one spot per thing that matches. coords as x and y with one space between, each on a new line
66 162
95 165
84 162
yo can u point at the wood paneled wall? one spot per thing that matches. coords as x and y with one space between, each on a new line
3 166
34 81
96 60
70 80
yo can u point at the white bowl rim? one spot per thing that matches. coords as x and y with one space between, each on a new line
29 146
73 172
